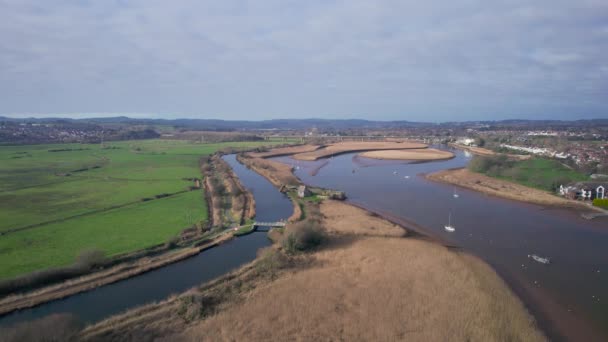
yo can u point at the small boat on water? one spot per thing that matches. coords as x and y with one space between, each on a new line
449 226
539 259
394 172
406 177
455 194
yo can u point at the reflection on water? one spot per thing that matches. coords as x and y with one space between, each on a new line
500 231
157 285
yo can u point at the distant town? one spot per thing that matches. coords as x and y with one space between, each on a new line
581 144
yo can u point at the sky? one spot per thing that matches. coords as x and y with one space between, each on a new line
383 60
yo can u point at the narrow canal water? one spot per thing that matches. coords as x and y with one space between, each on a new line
95 305
571 291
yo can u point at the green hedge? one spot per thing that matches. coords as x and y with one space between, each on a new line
602 203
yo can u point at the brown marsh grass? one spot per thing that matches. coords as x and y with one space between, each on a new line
376 289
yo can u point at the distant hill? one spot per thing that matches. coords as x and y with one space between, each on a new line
299 124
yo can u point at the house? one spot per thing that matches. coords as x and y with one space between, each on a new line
303 191
584 190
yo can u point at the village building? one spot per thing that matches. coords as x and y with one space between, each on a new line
303 191
584 190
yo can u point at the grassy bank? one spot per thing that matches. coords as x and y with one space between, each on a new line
540 173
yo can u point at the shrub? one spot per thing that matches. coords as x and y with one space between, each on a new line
602 203
270 261
302 236
220 189
172 242
56 327
91 258
197 306
493 164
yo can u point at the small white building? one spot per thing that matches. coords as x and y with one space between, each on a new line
600 192
303 191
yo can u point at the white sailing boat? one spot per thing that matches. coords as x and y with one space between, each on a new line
449 226
539 259
455 194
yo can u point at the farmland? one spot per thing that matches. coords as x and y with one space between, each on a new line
59 200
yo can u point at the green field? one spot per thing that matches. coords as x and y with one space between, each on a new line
99 204
541 173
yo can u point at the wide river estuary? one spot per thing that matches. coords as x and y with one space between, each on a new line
569 295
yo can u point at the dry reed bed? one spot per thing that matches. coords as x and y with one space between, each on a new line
374 287
412 154
345 147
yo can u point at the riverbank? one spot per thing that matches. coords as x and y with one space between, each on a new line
366 282
189 243
356 146
108 276
426 154
278 174
501 188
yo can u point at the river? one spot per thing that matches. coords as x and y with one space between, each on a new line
568 297
156 285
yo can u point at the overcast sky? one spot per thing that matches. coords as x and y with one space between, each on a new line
388 60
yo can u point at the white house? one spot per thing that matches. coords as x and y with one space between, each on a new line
600 192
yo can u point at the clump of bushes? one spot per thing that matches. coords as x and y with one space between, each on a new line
601 202
91 258
52 328
197 306
172 242
492 166
302 236
270 261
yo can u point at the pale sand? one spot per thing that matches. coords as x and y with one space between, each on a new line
415 154
356 146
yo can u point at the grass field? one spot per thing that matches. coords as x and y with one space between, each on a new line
98 205
541 173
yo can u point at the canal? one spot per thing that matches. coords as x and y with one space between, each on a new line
156 285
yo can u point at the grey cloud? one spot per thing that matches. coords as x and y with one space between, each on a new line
388 59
